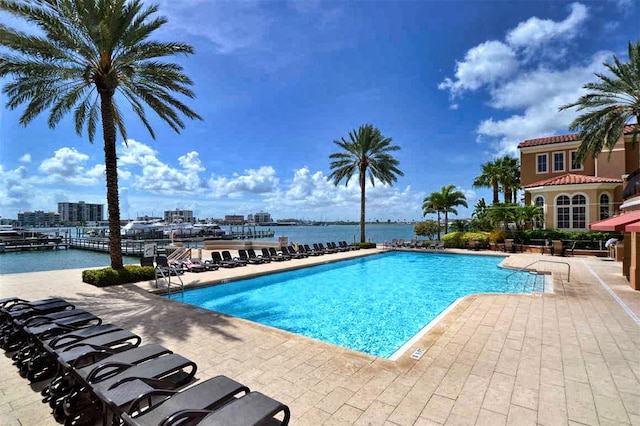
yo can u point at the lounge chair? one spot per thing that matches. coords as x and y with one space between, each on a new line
345 245
226 255
252 255
266 253
244 256
22 311
124 383
311 252
317 249
73 377
190 266
295 254
208 395
85 352
207 265
432 245
334 246
254 408
569 249
439 245
328 249
163 267
217 259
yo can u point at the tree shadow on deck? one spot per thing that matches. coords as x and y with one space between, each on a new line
153 316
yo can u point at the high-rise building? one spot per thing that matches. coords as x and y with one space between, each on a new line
38 219
80 213
178 215
262 217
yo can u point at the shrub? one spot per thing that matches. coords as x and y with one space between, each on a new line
461 239
497 236
107 276
453 239
365 245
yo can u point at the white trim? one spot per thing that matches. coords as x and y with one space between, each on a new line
571 206
546 155
574 151
548 146
553 161
630 204
610 204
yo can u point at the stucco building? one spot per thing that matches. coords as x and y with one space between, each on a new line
572 194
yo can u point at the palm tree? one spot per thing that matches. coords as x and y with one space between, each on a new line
610 104
444 201
366 151
509 177
527 215
90 50
431 205
490 178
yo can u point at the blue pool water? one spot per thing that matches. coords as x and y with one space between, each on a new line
372 304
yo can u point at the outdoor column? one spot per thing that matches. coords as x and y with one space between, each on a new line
634 267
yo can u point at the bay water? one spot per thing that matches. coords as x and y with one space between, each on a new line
51 260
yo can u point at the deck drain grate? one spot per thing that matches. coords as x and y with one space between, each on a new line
417 354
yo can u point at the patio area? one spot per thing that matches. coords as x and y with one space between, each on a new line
571 356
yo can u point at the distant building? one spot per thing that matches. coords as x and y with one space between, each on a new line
38 219
178 215
80 213
234 219
262 217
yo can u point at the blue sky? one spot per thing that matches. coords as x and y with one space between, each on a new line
454 83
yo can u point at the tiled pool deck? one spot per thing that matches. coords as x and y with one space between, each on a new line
567 357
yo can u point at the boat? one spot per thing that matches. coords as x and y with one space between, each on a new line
137 228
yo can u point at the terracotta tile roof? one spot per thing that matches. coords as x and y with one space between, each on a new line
561 138
572 179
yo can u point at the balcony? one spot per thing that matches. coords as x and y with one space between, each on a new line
632 186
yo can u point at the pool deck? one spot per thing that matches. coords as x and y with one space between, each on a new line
567 357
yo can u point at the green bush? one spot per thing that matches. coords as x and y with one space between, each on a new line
365 245
453 239
461 239
497 236
107 276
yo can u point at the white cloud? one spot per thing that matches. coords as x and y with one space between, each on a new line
16 190
483 65
26 158
538 94
261 181
535 31
68 166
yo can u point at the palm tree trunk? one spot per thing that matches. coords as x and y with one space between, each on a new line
362 204
446 222
439 228
111 168
496 193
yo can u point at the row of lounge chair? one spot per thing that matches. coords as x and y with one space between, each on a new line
102 372
245 257
400 243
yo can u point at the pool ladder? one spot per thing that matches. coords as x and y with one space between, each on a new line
160 272
524 268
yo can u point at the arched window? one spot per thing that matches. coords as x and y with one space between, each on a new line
563 212
579 213
604 206
538 202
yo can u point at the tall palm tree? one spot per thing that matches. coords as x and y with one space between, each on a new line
366 151
90 50
446 202
509 177
431 205
609 105
490 178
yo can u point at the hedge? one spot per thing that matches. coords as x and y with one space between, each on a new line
107 276
461 239
365 245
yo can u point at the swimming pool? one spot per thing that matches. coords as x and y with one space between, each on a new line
372 304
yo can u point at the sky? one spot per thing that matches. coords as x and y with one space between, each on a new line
453 83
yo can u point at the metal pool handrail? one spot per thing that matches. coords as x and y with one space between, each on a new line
541 260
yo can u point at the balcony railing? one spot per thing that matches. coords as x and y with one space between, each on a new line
632 187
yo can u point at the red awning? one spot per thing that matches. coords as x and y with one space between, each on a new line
633 227
616 223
